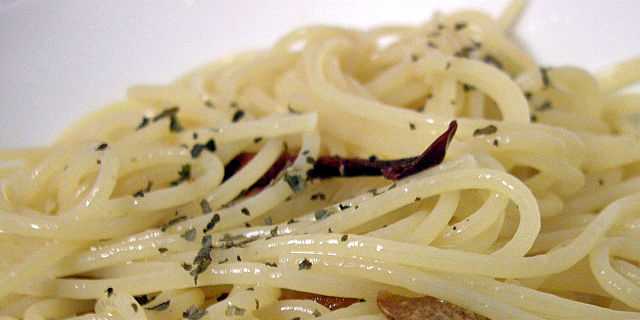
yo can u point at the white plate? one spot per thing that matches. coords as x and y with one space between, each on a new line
62 59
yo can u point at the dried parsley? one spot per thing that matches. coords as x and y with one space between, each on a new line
102 146
467 87
344 238
203 258
172 222
304 264
143 123
160 307
245 211
271 264
212 223
464 52
318 196
321 214
490 129
294 180
527 95
189 235
183 175
459 26
546 105
234 311
292 110
163 249
194 313
166 113
205 206
142 299
489 59
109 292
237 116
196 150
544 72
412 126
273 232
134 307
172 114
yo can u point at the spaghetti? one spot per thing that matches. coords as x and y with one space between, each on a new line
198 199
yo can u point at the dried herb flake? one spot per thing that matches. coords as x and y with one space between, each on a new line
305 264
490 129
160 307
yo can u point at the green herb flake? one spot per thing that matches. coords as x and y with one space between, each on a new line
189 235
239 114
321 214
205 207
318 196
544 73
172 222
294 180
459 26
233 311
310 160
490 129
212 223
143 123
546 105
183 175
166 113
174 124
305 264
194 313
160 307
467 87
203 258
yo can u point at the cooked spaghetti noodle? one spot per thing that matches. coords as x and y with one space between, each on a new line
533 214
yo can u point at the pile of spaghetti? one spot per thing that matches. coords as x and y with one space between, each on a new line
402 172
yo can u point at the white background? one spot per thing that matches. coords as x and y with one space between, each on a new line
62 59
